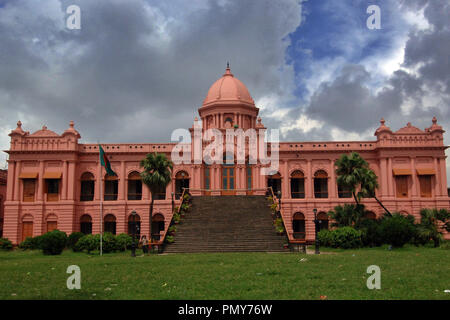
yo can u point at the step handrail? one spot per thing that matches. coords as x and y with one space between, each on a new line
275 199
166 231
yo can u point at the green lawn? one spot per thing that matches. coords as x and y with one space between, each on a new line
408 273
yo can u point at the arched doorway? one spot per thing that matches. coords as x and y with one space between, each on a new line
370 215
136 223
228 175
157 226
87 187
86 224
274 181
27 227
297 185
321 184
298 225
110 224
323 221
52 223
111 187
134 186
181 182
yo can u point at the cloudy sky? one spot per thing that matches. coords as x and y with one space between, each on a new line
137 69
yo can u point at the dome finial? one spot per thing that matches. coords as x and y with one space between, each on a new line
228 64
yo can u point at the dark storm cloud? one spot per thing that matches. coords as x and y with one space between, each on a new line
136 70
348 104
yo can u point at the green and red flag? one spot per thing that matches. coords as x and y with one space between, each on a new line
105 162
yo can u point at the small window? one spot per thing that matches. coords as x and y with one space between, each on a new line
134 186
52 189
29 187
401 183
87 187
425 186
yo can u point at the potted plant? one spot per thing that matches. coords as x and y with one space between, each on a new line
286 245
170 239
172 230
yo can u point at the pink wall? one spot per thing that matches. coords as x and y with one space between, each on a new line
45 152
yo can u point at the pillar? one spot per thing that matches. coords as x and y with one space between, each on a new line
41 191
383 177
16 195
415 191
309 181
390 179
122 181
333 184
64 181
11 182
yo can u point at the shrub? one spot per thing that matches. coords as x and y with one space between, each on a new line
108 242
325 238
53 242
398 229
123 242
5 244
88 242
73 239
371 233
31 243
170 239
345 238
176 217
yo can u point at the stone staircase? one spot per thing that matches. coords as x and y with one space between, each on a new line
227 224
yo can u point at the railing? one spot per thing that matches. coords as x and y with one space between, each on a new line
135 196
297 195
110 196
164 233
87 197
299 235
320 194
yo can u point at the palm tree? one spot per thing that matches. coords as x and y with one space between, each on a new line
347 216
354 173
156 176
429 224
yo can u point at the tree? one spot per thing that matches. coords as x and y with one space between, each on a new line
348 215
430 225
354 173
156 176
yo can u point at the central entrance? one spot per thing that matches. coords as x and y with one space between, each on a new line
228 175
228 180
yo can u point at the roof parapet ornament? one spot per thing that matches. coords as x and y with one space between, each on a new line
382 127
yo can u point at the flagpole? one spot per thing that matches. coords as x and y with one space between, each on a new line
101 203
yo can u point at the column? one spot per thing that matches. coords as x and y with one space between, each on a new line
64 181
122 181
443 176
383 177
437 186
98 183
309 181
415 191
71 181
285 182
11 180
41 191
16 195
390 179
333 184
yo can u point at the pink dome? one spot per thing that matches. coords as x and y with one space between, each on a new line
228 89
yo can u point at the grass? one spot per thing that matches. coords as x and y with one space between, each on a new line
407 273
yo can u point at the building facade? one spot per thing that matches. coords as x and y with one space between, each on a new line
3 177
54 181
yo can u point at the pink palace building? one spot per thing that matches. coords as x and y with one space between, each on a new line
53 180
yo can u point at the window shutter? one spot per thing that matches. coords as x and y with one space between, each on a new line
28 190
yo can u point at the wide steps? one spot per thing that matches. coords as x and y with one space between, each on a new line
227 224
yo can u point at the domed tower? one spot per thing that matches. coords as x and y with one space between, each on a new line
228 104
